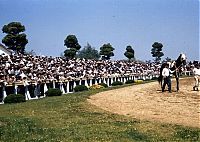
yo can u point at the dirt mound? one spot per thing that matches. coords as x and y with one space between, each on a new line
147 102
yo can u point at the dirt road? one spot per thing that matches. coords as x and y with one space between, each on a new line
147 102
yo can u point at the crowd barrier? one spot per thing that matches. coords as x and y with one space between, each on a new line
187 73
36 90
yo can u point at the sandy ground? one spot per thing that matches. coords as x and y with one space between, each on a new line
147 102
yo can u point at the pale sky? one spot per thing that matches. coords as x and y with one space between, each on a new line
139 23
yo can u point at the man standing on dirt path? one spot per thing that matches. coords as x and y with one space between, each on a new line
167 78
196 72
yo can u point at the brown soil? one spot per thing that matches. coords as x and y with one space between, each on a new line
147 102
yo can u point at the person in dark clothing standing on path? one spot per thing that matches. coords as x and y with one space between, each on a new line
167 78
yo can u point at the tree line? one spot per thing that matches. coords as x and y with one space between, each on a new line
16 40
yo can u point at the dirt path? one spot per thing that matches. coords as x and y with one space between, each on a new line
147 102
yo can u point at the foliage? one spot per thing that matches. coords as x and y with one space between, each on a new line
187 134
139 81
72 43
115 83
129 52
168 59
95 86
154 78
14 98
32 52
70 53
104 85
88 53
15 39
156 51
106 51
80 88
53 92
129 81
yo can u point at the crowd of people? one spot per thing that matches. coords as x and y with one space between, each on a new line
34 68
15 68
35 71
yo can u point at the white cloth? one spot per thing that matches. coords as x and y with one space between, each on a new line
166 72
196 71
196 76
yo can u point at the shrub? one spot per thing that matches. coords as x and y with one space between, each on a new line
79 88
154 78
104 85
14 98
138 81
53 92
95 86
129 81
117 83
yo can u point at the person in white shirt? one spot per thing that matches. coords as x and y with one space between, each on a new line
167 79
196 72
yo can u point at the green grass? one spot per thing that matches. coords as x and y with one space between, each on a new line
71 118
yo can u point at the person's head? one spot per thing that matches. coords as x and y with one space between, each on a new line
166 65
196 66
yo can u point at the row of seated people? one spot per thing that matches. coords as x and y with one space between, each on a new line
14 68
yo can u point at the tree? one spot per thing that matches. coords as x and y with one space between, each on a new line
129 53
168 59
106 51
156 51
15 39
72 43
88 53
70 53
32 52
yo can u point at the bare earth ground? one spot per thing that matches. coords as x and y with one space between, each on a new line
147 102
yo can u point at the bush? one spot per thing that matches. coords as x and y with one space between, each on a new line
154 78
95 86
104 85
129 81
53 92
79 88
117 83
138 81
14 98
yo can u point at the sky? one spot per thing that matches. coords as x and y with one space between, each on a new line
139 23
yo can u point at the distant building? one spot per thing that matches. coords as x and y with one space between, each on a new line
4 50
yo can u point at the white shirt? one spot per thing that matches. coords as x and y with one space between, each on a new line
166 72
196 71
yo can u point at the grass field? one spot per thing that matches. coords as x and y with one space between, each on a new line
71 118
